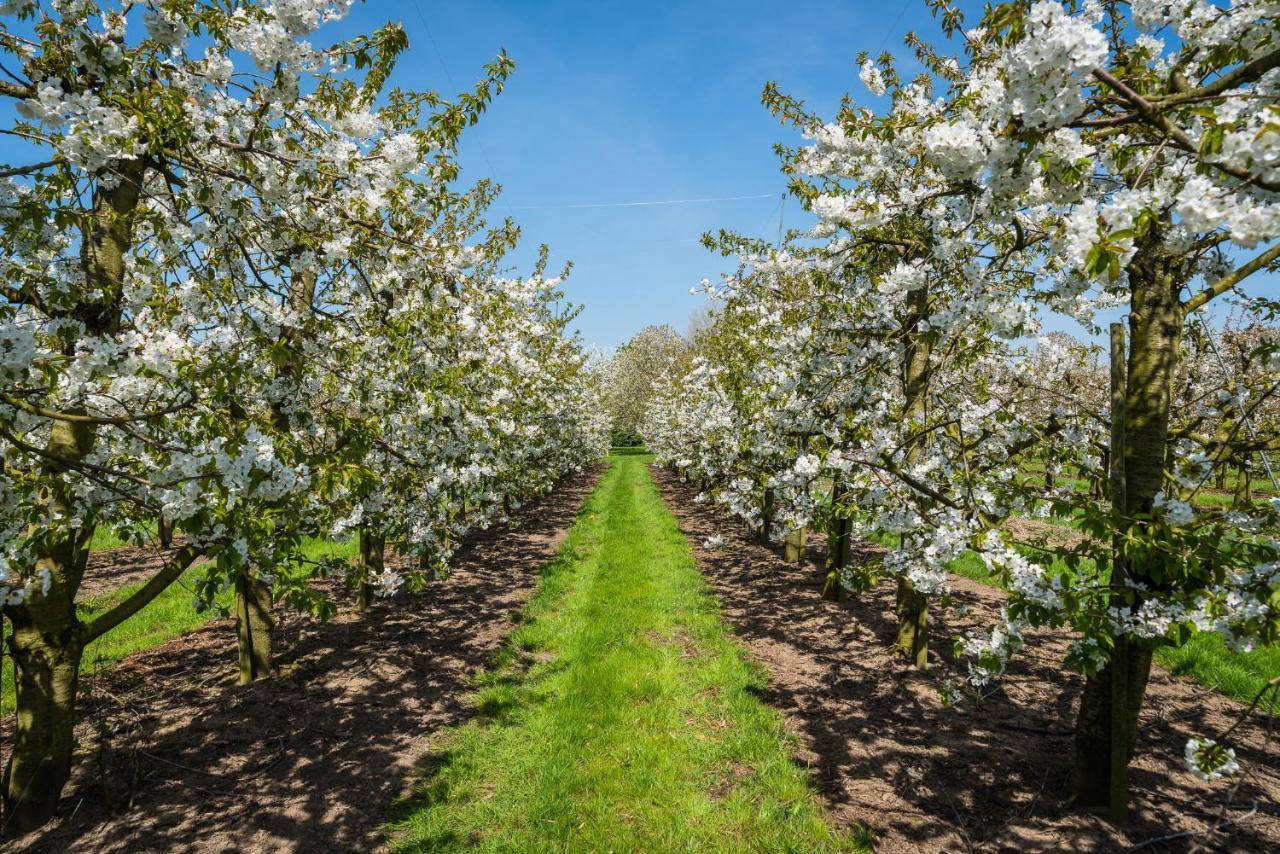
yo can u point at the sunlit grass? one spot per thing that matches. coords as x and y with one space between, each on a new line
621 716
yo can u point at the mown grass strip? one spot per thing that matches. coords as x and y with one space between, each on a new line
621 716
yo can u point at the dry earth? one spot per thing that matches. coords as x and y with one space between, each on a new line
983 776
174 757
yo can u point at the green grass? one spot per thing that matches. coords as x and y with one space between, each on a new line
621 715
105 537
1241 675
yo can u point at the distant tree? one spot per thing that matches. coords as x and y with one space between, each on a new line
629 377
702 321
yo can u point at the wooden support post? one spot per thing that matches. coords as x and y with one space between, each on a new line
1119 794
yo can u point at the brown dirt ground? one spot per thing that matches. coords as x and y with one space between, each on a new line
174 757
988 774
111 569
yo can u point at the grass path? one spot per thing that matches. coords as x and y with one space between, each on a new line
621 715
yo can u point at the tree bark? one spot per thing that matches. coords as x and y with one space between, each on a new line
372 561
255 627
1092 776
913 624
1155 333
766 516
46 646
795 545
837 559
1243 496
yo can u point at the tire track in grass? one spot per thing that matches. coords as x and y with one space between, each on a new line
621 715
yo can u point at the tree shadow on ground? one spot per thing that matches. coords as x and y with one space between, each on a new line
986 774
175 757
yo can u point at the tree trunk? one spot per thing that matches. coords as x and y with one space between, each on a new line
372 562
913 624
837 559
1244 481
255 627
912 607
766 516
1155 333
47 641
1121 649
795 544
46 646
1092 777
1100 484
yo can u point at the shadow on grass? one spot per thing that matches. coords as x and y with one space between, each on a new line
629 451
307 761
505 690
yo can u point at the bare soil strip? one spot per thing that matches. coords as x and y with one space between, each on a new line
992 777
173 757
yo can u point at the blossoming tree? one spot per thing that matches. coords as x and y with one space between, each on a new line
238 289
1071 159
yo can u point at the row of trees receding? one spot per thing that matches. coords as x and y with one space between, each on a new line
877 377
244 305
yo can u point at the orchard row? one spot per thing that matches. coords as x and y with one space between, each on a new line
245 305
1112 167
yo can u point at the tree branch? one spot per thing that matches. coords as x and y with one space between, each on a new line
13 90
27 170
174 567
1232 279
1151 115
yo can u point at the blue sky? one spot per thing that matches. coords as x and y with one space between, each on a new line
626 102
614 103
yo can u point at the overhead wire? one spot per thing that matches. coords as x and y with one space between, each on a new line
453 84
641 204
